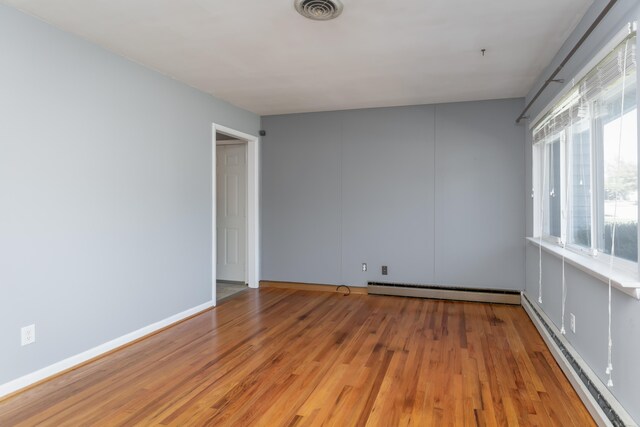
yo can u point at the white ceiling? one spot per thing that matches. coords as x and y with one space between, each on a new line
262 56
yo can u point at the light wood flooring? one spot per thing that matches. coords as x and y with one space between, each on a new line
274 357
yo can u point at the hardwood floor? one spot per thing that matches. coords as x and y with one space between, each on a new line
282 358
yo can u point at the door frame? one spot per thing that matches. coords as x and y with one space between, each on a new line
253 206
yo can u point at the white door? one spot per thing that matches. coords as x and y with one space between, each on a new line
231 194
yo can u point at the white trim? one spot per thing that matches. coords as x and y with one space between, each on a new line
592 406
253 205
70 362
230 142
214 225
602 53
625 281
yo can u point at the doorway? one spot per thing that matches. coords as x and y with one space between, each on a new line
235 212
231 210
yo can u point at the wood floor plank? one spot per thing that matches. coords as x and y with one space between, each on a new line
276 357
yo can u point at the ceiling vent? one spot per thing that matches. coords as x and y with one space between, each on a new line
319 10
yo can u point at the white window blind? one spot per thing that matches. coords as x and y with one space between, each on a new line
575 105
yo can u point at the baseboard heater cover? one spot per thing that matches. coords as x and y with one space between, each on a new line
500 296
608 405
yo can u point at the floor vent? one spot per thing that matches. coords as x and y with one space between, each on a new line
447 293
610 408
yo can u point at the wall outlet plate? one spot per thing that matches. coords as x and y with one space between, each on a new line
28 335
364 266
573 322
384 270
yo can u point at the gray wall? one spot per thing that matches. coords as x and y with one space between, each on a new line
434 192
105 193
586 296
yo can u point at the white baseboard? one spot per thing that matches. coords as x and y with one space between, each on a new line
583 392
70 362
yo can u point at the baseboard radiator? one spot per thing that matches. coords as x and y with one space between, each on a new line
446 293
600 402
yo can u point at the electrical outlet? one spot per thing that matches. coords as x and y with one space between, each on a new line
573 322
364 266
28 335
384 270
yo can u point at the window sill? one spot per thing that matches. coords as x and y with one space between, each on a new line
624 281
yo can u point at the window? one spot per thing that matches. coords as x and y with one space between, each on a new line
553 189
619 182
580 179
586 162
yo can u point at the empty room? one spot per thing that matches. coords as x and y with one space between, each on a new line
319 212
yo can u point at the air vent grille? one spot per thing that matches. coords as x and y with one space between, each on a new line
319 10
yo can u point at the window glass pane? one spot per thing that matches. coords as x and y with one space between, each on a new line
619 169
580 182
554 200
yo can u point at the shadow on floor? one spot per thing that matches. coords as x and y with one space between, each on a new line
225 290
